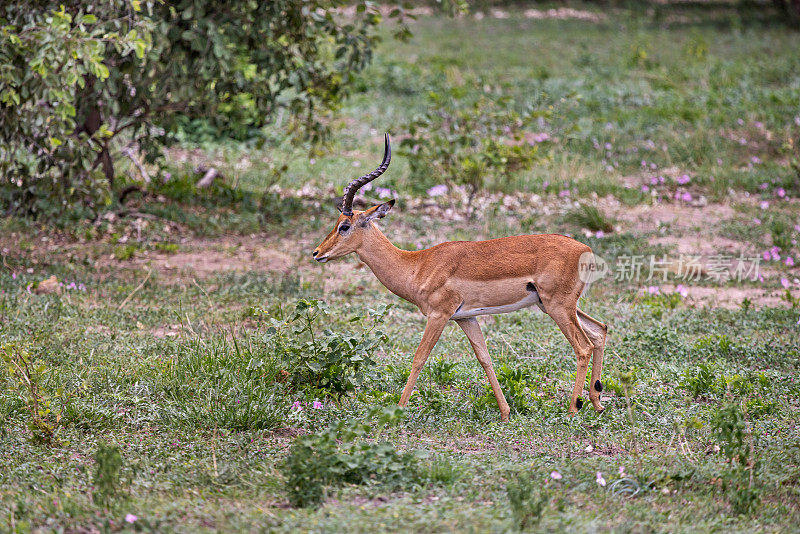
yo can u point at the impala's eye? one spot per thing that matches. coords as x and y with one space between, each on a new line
343 228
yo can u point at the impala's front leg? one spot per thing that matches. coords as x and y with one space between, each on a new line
434 328
473 331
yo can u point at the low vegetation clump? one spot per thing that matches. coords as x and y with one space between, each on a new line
340 455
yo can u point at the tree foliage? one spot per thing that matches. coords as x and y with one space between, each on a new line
75 76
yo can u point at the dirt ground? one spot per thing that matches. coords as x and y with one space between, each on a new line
681 228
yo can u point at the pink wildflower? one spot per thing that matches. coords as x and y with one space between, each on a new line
437 190
317 405
600 480
681 290
130 518
785 283
789 261
555 475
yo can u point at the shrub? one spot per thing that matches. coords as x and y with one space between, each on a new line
330 361
339 455
78 74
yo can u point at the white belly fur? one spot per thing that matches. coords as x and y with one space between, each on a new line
530 300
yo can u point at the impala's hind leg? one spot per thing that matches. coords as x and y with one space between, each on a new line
567 320
597 334
473 331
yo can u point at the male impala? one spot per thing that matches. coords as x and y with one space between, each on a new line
461 280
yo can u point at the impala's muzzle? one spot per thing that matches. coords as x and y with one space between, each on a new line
321 259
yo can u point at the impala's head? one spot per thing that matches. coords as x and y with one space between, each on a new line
352 226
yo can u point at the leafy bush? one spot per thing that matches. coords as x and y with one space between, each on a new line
466 142
330 361
339 455
78 74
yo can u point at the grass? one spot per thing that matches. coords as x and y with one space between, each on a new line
188 373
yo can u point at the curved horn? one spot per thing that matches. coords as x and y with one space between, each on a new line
358 183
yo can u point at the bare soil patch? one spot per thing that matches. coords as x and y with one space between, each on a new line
679 217
732 297
206 257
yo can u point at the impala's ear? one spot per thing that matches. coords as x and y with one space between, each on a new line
377 212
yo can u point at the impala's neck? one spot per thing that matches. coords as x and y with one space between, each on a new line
393 266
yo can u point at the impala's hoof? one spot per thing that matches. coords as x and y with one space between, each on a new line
579 403
598 386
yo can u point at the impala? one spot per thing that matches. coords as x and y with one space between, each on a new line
461 280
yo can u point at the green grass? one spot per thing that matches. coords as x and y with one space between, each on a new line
689 104
194 416
193 379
